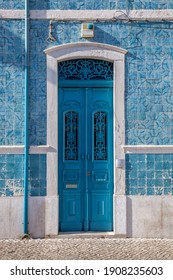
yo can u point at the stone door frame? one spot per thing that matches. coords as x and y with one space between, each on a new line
95 51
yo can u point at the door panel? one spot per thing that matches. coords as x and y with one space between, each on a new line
71 219
85 158
101 211
69 158
100 145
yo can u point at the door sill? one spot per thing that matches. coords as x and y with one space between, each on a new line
90 234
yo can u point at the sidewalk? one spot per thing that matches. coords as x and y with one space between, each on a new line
64 248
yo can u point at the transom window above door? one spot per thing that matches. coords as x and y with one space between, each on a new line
85 69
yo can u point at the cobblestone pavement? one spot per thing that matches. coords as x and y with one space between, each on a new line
86 249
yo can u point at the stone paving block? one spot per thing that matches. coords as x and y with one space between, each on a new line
86 249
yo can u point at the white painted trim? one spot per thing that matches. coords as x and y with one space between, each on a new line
52 127
119 125
126 149
11 150
102 15
44 149
88 15
148 149
12 14
51 216
85 50
120 215
71 46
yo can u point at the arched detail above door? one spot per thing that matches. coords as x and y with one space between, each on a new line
86 50
75 49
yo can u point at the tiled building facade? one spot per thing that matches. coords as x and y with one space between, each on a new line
144 30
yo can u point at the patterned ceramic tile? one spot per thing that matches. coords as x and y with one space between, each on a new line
12 82
87 4
149 107
149 174
12 4
11 175
37 175
149 101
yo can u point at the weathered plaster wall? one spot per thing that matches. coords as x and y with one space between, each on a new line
11 217
144 219
149 217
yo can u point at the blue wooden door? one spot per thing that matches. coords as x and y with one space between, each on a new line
85 156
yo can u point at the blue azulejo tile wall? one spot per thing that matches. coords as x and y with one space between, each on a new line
148 90
12 4
11 82
87 4
37 185
149 102
149 71
11 175
38 99
149 174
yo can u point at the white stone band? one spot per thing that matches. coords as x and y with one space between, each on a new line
128 149
12 14
14 150
148 149
91 15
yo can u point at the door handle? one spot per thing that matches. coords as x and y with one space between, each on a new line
88 173
85 156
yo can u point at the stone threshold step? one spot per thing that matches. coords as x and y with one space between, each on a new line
90 234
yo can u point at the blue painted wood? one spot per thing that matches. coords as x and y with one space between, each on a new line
86 183
86 176
100 165
87 84
71 185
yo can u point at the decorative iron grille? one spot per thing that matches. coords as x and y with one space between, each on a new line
100 135
85 69
71 135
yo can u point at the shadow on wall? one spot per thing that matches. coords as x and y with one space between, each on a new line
101 36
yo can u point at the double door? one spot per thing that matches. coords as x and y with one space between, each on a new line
85 158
